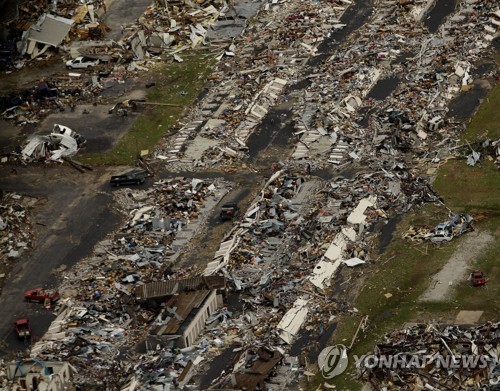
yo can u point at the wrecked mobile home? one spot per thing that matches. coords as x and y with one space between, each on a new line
138 316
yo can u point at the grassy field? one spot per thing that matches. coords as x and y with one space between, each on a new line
487 119
176 83
403 273
405 268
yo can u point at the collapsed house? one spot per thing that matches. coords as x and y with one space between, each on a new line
187 305
37 374
49 31
299 234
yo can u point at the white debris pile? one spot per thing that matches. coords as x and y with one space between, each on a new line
16 234
61 143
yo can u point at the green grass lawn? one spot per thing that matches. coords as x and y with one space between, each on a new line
175 83
486 122
405 268
474 189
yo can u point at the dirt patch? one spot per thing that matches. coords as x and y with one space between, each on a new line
456 268
468 317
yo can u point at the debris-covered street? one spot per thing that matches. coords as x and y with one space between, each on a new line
195 195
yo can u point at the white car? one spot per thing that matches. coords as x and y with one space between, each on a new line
82 63
441 237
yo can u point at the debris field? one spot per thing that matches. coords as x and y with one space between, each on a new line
367 103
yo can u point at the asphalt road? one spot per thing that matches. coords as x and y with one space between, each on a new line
73 214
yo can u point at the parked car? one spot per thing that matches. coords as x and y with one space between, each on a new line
22 328
133 178
82 63
41 294
228 211
478 278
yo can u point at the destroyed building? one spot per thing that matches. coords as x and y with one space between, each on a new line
49 30
40 375
61 143
187 305
300 232
433 356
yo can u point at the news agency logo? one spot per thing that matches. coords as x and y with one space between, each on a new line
414 361
333 361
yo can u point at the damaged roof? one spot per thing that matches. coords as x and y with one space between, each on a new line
159 289
50 30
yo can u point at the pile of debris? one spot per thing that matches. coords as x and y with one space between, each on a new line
61 143
435 357
172 27
487 147
57 93
443 232
15 225
299 234
38 28
99 315
340 108
88 21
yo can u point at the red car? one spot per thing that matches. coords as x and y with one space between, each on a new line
22 327
41 295
478 278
